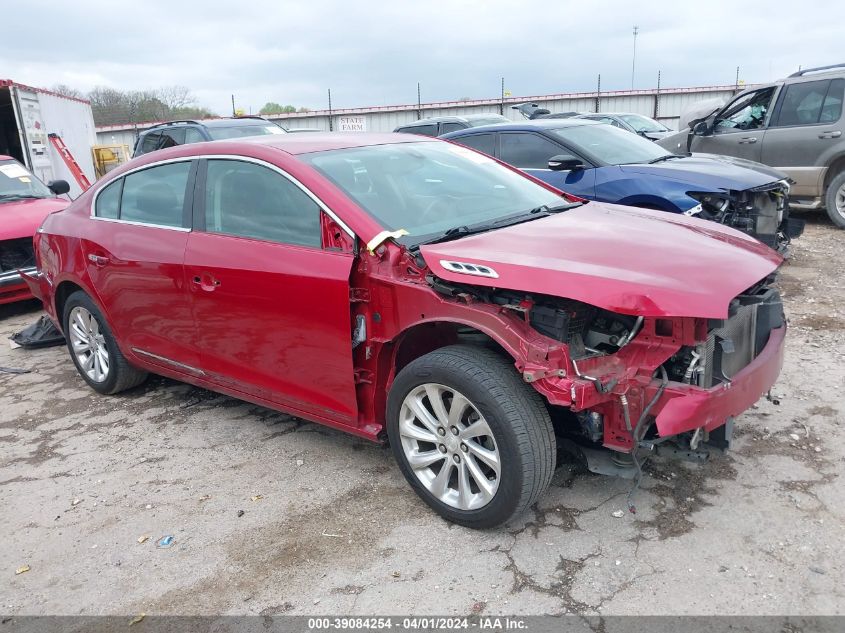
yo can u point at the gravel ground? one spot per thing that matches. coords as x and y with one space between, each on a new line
272 515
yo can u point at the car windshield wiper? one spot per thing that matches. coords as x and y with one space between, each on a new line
660 159
18 196
541 211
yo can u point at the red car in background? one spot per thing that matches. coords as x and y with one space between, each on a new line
414 291
24 203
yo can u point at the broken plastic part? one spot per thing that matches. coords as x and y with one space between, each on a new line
374 243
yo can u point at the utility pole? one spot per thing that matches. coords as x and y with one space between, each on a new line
331 124
598 95
502 102
233 106
634 58
419 102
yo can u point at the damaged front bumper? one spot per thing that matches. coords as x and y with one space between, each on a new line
686 408
13 285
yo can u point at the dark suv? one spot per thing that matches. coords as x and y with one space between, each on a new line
435 126
795 125
183 132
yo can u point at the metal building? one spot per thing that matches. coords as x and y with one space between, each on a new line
663 104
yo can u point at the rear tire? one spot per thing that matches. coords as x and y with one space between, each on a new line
835 200
93 348
490 430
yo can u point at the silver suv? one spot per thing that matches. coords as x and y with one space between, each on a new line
794 125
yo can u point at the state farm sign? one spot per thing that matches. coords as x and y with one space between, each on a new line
352 124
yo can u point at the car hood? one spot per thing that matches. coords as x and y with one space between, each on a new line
21 218
706 173
627 260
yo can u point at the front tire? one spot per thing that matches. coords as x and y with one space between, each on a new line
474 441
835 200
93 348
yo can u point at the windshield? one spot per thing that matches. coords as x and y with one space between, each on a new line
642 123
609 144
238 131
16 182
428 188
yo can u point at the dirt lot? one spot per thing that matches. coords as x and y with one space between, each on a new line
336 530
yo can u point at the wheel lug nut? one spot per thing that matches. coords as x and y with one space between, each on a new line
464 448
454 430
441 431
441 448
457 458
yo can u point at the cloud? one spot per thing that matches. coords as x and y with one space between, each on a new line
373 53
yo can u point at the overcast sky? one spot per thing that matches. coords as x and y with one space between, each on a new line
374 53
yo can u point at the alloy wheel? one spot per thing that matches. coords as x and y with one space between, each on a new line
840 200
449 446
88 344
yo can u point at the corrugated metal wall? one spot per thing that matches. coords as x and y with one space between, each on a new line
670 103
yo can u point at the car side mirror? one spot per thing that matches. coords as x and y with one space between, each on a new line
701 128
58 187
565 162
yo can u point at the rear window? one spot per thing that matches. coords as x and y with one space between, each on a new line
240 131
485 143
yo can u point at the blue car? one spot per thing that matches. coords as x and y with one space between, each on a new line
600 162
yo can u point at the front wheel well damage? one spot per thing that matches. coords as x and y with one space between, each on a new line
424 338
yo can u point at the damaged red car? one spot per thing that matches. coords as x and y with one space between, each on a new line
24 203
416 292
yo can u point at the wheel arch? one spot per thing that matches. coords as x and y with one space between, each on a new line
836 167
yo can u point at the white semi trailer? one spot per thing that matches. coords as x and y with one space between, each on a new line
29 115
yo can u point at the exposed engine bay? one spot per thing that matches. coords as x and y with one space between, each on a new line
591 333
762 212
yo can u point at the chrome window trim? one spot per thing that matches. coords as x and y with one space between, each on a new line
93 211
249 159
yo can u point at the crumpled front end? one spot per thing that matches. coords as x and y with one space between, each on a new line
762 212
675 378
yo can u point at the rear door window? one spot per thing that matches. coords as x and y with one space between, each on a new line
150 142
425 130
249 200
193 135
156 195
482 142
527 150
172 136
451 127
803 103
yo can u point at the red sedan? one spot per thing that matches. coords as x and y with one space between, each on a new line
24 203
413 291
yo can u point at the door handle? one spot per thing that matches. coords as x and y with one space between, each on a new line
98 260
206 282
831 134
747 140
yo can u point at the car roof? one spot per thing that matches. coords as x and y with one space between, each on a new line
4 157
526 126
235 122
325 141
446 119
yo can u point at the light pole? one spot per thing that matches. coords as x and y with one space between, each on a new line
634 59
